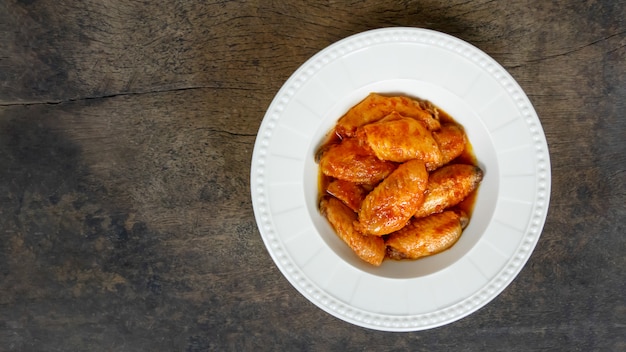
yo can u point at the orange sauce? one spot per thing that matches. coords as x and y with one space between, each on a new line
322 180
467 157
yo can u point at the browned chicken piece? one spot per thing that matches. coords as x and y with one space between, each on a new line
397 138
451 140
354 162
390 205
426 236
448 186
352 194
369 248
375 106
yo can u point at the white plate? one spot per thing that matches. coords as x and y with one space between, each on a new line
509 212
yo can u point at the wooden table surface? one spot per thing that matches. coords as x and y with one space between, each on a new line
126 135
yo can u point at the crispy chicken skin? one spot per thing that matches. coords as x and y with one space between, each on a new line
354 162
448 186
352 194
451 140
390 205
426 236
399 139
369 248
375 106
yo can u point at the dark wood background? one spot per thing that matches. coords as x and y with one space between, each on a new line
126 133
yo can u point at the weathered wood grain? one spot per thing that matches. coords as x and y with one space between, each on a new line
126 133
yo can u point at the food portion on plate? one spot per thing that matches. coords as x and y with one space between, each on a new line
397 178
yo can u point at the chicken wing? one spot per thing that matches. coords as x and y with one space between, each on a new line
350 193
390 205
448 186
451 140
354 162
426 236
397 138
375 106
369 248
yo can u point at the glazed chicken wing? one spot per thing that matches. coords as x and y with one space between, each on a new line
451 140
350 193
448 186
426 236
369 248
354 162
390 205
375 106
398 138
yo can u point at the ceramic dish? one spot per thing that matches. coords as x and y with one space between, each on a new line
510 208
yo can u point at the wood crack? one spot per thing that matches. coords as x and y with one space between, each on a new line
234 134
107 96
